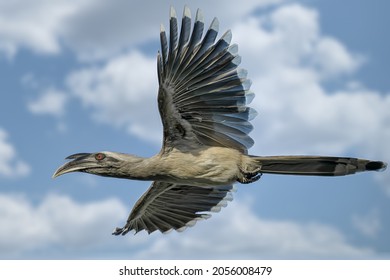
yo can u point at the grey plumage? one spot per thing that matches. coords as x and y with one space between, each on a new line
203 101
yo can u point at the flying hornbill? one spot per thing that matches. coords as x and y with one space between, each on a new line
202 99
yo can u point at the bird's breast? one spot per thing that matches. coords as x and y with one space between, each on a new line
203 167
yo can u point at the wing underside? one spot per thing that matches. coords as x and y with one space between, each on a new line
167 206
203 95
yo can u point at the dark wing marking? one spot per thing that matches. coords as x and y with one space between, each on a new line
167 206
203 95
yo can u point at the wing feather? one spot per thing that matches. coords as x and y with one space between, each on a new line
203 95
167 206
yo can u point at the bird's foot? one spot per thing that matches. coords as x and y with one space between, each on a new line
249 177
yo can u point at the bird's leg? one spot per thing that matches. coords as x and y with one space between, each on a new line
246 177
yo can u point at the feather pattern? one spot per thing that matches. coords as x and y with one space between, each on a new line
167 206
203 95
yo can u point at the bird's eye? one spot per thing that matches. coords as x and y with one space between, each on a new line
100 156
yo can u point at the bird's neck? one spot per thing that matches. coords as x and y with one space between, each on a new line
138 168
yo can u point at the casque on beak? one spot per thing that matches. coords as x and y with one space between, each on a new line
80 161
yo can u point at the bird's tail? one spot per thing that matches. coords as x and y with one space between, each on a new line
316 165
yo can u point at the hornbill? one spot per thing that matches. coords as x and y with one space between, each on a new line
202 99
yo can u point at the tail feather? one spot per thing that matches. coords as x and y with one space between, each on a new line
317 165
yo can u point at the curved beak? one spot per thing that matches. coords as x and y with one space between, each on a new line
80 162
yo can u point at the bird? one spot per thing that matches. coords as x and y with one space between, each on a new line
203 99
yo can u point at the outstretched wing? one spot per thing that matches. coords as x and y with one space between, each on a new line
203 95
167 206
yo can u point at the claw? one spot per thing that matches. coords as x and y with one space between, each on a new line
249 178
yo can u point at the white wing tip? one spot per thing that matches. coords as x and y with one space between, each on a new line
186 12
199 16
215 24
172 12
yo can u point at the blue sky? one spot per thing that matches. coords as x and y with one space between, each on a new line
80 76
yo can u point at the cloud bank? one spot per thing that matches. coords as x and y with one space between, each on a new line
71 226
56 221
85 26
258 239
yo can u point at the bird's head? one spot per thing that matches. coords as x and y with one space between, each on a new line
101 163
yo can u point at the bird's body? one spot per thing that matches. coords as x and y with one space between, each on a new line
202 100
209 166
206 166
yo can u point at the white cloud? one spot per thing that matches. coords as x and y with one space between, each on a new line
95 29
90 30
34 25
332 58
82 228
122 93
51 102
368 224
10 164
237 233
290 36
57 221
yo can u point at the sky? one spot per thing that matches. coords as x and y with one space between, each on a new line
80 76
